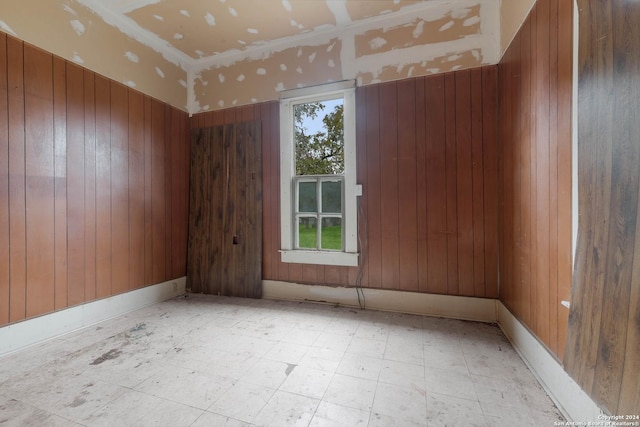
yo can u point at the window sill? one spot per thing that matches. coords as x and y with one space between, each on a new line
347 259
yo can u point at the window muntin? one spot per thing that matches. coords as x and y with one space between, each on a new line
291 202
319 200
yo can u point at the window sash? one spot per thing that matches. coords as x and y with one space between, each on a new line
318 215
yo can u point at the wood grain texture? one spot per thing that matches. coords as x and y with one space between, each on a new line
90 289
17 181
534 152
60 181
76 186
410 152
39 173
225 214
71 139
602 340
4 186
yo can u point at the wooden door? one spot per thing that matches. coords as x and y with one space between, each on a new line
225 211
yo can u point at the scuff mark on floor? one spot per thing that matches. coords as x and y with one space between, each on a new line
109 355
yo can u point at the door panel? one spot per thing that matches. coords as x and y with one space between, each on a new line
225 219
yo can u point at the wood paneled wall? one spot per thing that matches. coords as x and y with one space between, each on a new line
534 92
93 185
603 345
427 159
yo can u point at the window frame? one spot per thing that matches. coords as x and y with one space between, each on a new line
288 252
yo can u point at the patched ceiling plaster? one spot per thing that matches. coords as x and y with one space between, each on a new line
193 33
210 54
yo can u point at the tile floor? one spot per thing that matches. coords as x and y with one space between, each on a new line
216 361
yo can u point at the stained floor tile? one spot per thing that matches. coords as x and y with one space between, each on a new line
216 361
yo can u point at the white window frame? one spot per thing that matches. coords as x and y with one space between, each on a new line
288 253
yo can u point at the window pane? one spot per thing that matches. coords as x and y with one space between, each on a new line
307 197
319 137
331 197
332 233
307 233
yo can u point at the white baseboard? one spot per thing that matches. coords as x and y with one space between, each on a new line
467 308
32 331
574 403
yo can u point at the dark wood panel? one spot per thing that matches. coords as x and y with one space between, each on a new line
168 178
60 181
119 135
269 237
477 182
422 186
436 218
148 211
490 170
225 219
158 210
90 194
4 186
609 197
554 301
464 182
17 185
407 186
390 206
451 184
103 187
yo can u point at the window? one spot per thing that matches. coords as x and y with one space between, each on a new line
318 175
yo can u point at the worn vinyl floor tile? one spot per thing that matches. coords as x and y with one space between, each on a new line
219 361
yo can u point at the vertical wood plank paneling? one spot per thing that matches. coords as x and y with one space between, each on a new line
451 184
422 186
464 182
542 187
490 179
372 194
179 213
103 187
17 185
477 182
564 91
535 171
66 183
148 186
4 185
436 152
39 171
158 210
554 300
269 239
417 130
334 276
389 212
136 188
525 208
119 133
76 185
407 185
167 191
60 181
90 192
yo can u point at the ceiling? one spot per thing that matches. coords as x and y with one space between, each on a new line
192 33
